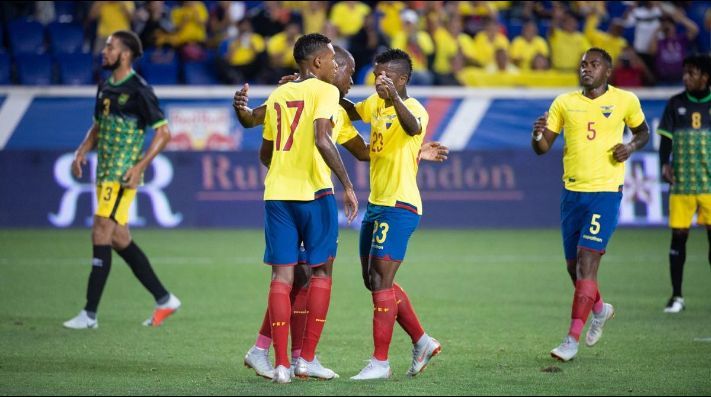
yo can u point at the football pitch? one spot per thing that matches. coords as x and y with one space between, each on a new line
497 300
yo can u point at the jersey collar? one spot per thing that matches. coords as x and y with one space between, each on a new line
123 80
707 98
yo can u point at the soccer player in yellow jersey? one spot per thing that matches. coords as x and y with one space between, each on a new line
125 107
398 126
345 134
593 121
300 207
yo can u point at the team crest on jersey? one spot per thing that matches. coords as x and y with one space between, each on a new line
682 111
389 121
122 99
607 110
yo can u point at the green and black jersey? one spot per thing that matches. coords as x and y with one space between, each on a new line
687 122
123 111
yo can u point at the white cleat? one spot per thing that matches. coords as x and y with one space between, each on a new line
375 369
82 321
281 375
163 311
567 350
675 305
258 360
598 322
305 369
422 353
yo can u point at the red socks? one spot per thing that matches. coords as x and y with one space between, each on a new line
384 314
319 298
583 300
299 310
279 315
406 316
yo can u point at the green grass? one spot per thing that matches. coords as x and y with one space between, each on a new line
498 301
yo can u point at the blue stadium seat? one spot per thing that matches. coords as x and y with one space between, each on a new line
4 68
65 10
65 38
34 69
163 73
200 73
26 37
75 69
514 28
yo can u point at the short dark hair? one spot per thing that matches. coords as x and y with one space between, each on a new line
605 55
131 41
398 56
701 62
308 45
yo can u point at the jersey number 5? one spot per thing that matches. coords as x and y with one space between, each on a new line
299 106
592 131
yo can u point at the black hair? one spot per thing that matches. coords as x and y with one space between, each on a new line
605 55
308 45
131 41
398 56
701 62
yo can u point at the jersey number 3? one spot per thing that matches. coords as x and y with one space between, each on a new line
299 106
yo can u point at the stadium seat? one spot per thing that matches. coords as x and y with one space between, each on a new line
34 69
4 68
26 37
65 38
514 28
75 69
200 73
158 71
65 11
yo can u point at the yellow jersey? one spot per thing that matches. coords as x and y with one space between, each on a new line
393 153
294 172
592 128
343 131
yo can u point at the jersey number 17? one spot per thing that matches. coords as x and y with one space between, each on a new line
299 106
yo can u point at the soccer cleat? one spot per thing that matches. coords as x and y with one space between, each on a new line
82 321
598 321
305 369
163 311
675 305
375 369
567 350
422 355
258 360
281 375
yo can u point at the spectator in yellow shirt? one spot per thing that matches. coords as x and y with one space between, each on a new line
348 17
314 16
448 57
526 46
110 17
486 43
390 23
280 49
190 21
244 56
567 43
418 44
612 41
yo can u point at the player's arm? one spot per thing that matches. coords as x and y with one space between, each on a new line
542 138
161 138
329 153
358 148
87 145
350 109
665 150
408 121
640 136
265 152
247 117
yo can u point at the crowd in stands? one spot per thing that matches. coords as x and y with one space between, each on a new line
471 43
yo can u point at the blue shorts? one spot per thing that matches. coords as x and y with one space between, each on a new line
288 224
385 232
588 220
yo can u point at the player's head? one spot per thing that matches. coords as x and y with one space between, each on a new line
697 72
122 48
314 53
595 68
344 72
397 66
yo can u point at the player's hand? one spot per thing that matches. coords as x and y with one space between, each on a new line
541 124
132 177
239 102
621 152
288 78
387 84
668 174
350 204
433 151
77 164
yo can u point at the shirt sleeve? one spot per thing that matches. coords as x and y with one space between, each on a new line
268 131
635 116
150 111
666 124
556 120
326 103
363 109
347 130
